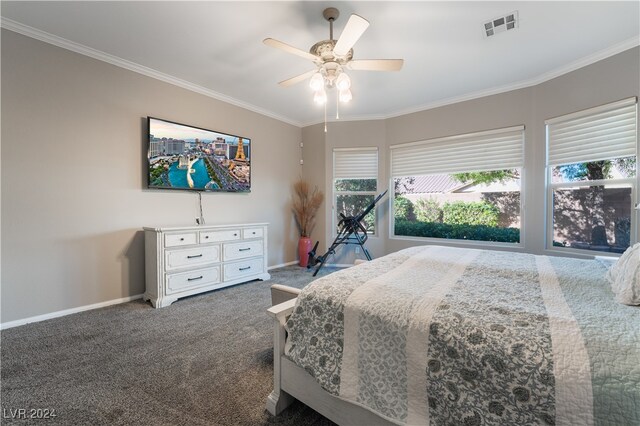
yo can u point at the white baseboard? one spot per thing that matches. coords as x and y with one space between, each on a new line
44 317
282 265
38 318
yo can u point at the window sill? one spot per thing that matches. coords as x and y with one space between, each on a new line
462 243
580 254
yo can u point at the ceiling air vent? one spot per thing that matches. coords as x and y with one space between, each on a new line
500 24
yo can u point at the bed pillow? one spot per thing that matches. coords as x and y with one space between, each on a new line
624 276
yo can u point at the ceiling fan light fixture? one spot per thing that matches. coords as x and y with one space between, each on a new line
317 82
345 95
343 82
320 97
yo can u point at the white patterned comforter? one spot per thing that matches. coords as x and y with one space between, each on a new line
441 335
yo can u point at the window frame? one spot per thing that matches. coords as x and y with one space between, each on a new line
519 246
335 193
550 186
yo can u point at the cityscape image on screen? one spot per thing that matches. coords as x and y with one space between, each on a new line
185 157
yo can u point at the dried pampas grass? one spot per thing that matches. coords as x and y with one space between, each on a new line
306 202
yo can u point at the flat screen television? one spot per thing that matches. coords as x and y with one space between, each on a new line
190 158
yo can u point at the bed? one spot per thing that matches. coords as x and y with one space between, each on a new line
451 336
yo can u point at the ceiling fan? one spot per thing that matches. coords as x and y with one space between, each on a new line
332 57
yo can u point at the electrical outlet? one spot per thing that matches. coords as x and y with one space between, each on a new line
357 250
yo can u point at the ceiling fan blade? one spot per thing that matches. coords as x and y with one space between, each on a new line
290 49
356 25
297 79
376 64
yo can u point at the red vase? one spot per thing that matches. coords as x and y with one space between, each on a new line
304 247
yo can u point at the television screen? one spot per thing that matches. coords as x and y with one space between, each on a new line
186 157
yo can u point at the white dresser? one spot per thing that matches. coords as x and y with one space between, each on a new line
189 260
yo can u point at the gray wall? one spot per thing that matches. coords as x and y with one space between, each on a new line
611 79
73 177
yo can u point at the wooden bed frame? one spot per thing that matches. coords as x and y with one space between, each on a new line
292 382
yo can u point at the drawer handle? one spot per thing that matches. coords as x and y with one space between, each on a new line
195 279
181 239
206 237
235 235
253 233
245 249
194 256
244 269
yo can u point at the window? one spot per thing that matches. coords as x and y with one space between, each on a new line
464 187
592 179
355 184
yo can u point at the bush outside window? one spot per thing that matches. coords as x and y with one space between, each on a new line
478 206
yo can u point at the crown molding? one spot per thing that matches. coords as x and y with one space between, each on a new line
46 37
588 60
149 72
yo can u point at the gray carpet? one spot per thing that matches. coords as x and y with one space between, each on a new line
205 360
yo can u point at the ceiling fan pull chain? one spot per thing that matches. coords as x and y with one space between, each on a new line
337 106
325 117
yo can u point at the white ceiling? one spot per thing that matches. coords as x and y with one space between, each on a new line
216 47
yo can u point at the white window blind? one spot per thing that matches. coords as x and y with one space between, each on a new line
472 152
356 163
600 133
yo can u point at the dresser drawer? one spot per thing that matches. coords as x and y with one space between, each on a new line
252 233
185 280
217 236
242 250
184 239
179 258
245 268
